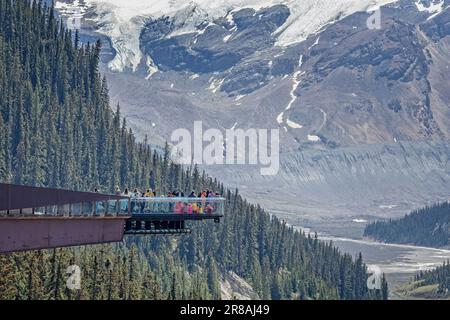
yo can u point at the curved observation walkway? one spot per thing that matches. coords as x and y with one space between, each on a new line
43 218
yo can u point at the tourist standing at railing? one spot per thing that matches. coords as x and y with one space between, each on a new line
209 208
148 194
178 194
179 207
114 206
99 208
195 208
192 207
203 203
133 195
124 204
167 208
142 202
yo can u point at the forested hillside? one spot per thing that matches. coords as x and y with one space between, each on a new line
439 276
57 129
432 284
429 227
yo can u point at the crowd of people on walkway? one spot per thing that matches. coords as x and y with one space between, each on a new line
150 193
200 203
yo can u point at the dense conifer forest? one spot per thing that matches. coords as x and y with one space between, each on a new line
428 227
57 129
439 276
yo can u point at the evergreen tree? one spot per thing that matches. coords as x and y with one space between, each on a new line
213 277
424 227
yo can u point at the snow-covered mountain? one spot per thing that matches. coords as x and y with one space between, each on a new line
348 99
233 53
123 21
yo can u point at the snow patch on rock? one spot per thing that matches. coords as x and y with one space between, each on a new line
313 138
293 124
310 16
295 84
152 68
434 8
215 84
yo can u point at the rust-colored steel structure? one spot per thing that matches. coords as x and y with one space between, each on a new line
21 228
32 233
16 197
41 218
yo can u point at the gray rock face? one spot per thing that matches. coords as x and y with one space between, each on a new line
211 48
337 191
357 85
380 79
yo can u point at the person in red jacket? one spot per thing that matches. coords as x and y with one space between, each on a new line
179 208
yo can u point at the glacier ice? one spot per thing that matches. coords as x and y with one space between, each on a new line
122 20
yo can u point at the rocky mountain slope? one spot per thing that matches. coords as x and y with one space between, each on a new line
373 85
339 191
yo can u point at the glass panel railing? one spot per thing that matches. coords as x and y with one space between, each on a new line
14 213
211 206
76 209
112 207
26 212
88 208
40 211
63 210
126 207
100 208
123 207
52 210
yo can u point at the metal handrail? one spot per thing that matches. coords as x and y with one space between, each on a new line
178 199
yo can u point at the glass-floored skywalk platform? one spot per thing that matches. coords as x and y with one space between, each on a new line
169 215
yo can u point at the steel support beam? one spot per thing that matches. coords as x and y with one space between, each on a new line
30 233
